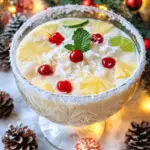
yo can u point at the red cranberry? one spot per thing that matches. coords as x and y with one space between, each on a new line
97 38
76 56
56 38
45 70
108 62
64 86
147 44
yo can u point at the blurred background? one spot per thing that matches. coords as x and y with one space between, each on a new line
136 11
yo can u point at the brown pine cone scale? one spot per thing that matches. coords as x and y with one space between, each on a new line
20 138
6 104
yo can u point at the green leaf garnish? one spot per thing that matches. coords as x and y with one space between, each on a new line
70 47
81 39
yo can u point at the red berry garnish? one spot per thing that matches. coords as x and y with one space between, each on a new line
56 38
45 70
97 38
108 62
76 56
64 86
147 44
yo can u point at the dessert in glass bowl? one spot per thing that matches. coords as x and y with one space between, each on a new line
75 68
76 56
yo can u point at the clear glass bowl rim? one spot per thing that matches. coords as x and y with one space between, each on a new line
71 98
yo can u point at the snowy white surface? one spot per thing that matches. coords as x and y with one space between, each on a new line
116 126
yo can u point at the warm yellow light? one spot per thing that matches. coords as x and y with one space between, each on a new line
101 15
103 7
146 106
97 127
1 1
94 131
38 6
145 103
12 9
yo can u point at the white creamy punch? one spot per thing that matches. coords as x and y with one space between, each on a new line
76 56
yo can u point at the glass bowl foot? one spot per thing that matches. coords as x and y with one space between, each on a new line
66 137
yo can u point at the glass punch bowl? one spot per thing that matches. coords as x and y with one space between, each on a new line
64 119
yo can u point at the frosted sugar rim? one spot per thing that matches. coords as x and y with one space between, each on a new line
79 99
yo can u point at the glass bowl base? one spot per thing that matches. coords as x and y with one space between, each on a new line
66 137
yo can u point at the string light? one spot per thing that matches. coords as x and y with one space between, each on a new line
103 7
148 105
145 104
12 9
97 127
101 15
95 130
1 1
38 6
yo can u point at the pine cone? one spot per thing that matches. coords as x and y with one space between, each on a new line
145 80
6 105
20 138
15 23
6 38
138 138
4 52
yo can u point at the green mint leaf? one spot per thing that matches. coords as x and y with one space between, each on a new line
82 39
70 47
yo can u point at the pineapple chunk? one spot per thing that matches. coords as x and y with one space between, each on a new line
94 85
36 43
124 70
47 87
43 85
45 30
31 51
101 27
